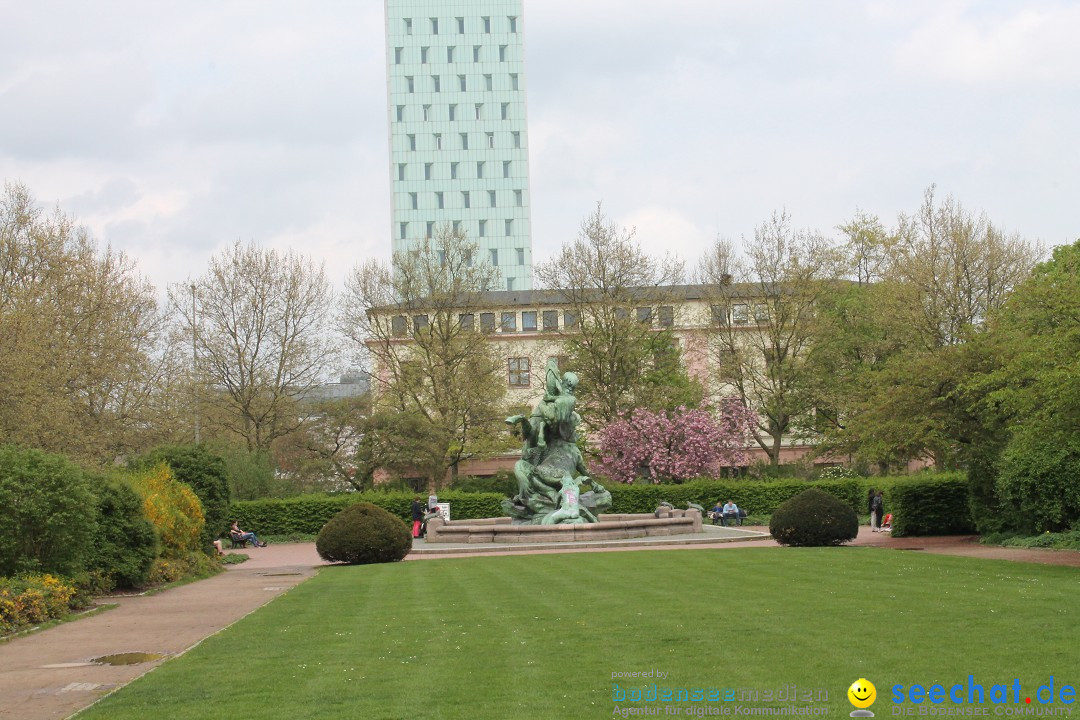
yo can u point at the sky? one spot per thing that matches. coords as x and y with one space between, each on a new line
172 130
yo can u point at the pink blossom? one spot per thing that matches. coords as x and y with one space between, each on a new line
674 446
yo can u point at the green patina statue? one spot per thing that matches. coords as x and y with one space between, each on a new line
551 471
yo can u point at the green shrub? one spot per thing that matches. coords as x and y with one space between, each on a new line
204 471
125 543
754 496
930 505
502 482
813 518
46 512
362 534
1037 481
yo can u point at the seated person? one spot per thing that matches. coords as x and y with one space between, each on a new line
731 511
218 548
239 535
717 513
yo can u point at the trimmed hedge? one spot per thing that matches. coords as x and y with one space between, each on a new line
363 534
813 518
931 505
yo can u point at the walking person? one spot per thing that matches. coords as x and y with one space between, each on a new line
879 510
870 509
417 516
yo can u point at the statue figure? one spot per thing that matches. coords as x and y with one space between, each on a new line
551 470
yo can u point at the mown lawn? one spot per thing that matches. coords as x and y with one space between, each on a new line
539 636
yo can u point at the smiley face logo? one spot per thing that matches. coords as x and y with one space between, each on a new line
862 693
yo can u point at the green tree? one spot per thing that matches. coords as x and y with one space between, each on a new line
622 346
437 380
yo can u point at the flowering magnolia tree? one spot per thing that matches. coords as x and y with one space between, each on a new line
674 446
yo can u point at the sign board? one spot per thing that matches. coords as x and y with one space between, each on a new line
443 509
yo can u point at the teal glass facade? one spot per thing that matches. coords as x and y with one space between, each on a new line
458 131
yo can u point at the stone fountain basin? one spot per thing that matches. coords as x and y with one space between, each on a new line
610 527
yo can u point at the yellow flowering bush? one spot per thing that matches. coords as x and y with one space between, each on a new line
33 598
173 508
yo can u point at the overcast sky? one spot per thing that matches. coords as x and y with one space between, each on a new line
172 129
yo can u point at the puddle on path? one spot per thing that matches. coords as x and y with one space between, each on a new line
279 574
131 658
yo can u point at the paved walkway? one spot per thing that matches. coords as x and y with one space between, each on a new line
49 674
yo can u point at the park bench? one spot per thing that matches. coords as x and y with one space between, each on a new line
238 541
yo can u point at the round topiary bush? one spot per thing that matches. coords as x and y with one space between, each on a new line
813 518
362 534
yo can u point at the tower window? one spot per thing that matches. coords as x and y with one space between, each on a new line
464 141
439 200
438 141
397 55
513 24
400 113
412 141
401 171
409 82
427 113
453 171
487 82
403 230
487 25
479 110
494 256
465 198
453 112
430 229
435 26
517 198
513 81
502 53
450 54
460 25
461 83
491 198
408 26
427 171
423 55
505 110
506 168
413 200
435 83
483 228
480 169
476 53
490 139
457 226
508 230
516 135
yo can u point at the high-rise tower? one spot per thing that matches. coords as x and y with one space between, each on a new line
458 134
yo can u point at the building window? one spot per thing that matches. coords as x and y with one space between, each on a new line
505 111
464 141
487 25
403 230
461 83
551 320
476 53
397 55
719 314
457 226
442 257
435 26
509 322
494 256
491 198
517 139
487 322
412 141
450 54
401 171
453 112
508 230
409 82
502 53
509 283
431 231
439 200
644 315
398 325
400 113
528 321
487 82
436 83
460 25
517 198
513 24
408 26
518 372
667 316
483 228
480 169
761 313
438 141
490 140
427 171
479 107
427 113
513 81
520 253
419 322
423 55
465 321
453 171
739 314
569 319
413 200
506 168
465 198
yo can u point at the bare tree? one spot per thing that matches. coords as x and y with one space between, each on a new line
437 380
263 335
763 321
622 299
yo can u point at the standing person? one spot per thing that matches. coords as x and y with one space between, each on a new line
870 509
879 510
417 516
